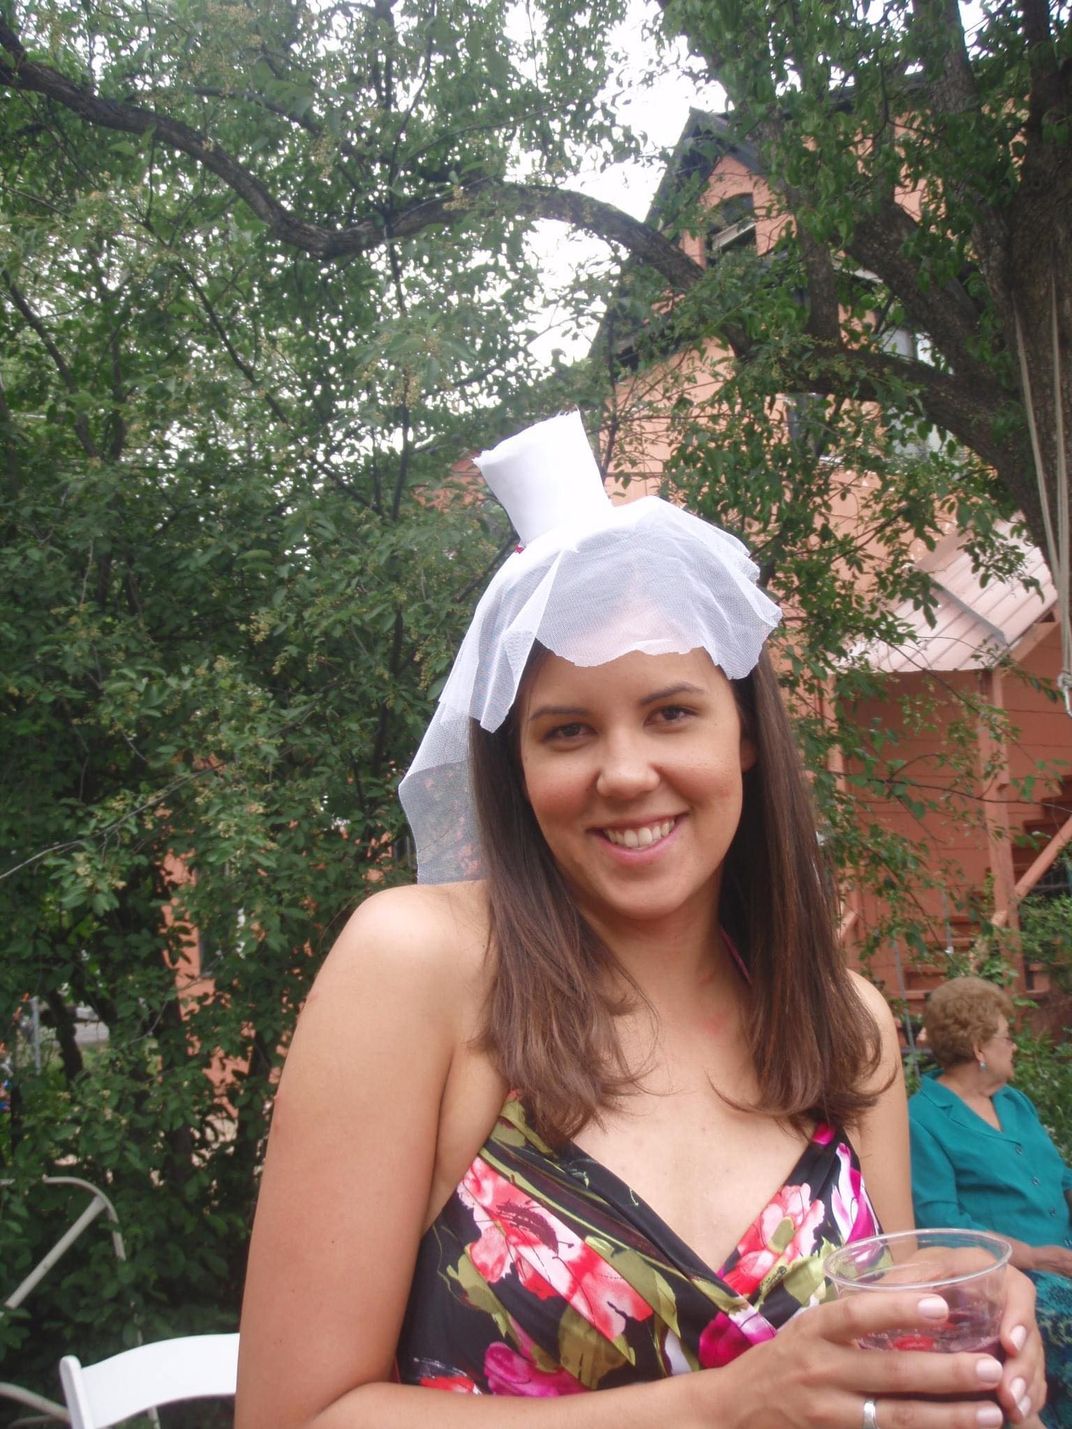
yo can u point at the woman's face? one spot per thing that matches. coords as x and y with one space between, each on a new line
999 1051
633 772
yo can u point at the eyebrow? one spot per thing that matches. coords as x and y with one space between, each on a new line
668 692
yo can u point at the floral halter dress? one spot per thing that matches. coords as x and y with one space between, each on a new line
545 1274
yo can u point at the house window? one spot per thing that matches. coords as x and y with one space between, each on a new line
806 418
731 224
912 440
905 342
899 340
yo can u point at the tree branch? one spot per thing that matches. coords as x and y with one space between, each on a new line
824 317
328 244
81 426
115 429
947 399
882 242
311 126
951 87
216 324
7 433
1036 17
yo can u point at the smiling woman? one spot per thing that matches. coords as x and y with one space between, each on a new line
586 1108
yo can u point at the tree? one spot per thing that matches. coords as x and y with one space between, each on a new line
850 110
942 170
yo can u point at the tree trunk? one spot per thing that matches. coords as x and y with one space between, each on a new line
1038 290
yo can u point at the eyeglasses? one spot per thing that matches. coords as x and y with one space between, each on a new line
1003 1037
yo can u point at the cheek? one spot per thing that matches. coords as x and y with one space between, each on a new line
716 778
553 787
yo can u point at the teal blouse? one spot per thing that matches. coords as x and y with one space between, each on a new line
966 1173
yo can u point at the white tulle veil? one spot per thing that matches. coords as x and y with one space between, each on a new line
591 581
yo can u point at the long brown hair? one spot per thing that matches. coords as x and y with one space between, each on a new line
549 1022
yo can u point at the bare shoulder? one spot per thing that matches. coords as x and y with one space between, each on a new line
872 999
396 1001
420 918
429 939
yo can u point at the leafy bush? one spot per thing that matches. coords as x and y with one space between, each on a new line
1044 1073
1046 930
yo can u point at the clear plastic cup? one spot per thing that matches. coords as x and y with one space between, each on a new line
966 1268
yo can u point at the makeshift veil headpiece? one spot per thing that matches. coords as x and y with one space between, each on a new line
591 581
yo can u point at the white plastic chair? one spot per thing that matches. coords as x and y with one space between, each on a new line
106 1393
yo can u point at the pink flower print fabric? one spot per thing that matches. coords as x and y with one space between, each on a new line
549 1257
545 1274
783 1232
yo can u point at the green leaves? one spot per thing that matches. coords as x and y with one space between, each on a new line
231 571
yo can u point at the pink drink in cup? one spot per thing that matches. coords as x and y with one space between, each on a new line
966 1268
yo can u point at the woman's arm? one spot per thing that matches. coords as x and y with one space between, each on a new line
934 1182
1052 1259
350 1160
881 1137
810 1374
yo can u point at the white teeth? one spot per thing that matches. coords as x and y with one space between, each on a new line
640 838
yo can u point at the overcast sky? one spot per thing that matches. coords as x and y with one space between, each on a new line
657 113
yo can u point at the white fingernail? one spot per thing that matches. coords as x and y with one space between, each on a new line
989 1416
1016 1389
1018 1336
933 1307
1025 1405
989 1370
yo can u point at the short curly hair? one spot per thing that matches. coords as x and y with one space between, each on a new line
962 1014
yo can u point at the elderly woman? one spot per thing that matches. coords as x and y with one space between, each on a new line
982 1159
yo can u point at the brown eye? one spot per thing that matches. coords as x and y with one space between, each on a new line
673 714
564 732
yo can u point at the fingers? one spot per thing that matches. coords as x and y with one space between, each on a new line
1018 1400
911 1414
869 1317
1023 1389
923 1390
900 1362
920 1374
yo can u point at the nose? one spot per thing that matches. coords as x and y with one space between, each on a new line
626 770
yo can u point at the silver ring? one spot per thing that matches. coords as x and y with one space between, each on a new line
870 1415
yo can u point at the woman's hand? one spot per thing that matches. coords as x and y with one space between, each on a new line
1023 1384
813 1373
1055 1259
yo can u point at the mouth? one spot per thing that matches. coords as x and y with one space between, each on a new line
642 837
